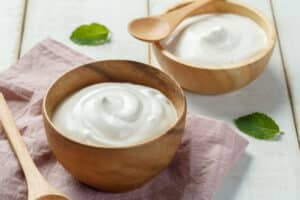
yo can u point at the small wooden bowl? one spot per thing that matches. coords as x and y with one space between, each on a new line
114 169
206 80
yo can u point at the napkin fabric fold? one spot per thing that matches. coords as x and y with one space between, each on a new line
209 147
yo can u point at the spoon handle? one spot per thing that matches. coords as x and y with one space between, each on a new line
176 16
35 180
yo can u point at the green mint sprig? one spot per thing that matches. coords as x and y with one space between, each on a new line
258 125
91 34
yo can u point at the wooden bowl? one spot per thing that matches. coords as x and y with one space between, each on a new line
206 80
114 169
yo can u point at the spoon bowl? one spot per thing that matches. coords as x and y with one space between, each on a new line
149 28
156 28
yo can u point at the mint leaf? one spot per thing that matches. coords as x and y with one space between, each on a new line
91 34
258 125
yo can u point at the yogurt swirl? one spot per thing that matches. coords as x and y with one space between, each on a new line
114 114
216 40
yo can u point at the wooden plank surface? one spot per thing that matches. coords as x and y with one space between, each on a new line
57 19
288 25
11 15
268 169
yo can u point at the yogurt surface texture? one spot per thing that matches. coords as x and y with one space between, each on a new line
214 40
114 114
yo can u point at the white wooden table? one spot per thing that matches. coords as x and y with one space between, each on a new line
270 170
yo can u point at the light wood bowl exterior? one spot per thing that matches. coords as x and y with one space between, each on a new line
206 80
109 168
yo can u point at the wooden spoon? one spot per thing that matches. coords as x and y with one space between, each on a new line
156 28
38 187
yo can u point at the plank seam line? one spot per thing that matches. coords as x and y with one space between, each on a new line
148 45
285 73
22 28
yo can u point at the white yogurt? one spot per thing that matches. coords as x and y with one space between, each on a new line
215 40
114 114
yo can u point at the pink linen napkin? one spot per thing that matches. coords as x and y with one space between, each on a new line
209 147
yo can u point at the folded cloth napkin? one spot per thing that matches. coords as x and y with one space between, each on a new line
209 147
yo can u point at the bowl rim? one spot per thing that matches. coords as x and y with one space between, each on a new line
271 40
181 117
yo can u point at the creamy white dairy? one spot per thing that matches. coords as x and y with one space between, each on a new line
216 40
114 114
